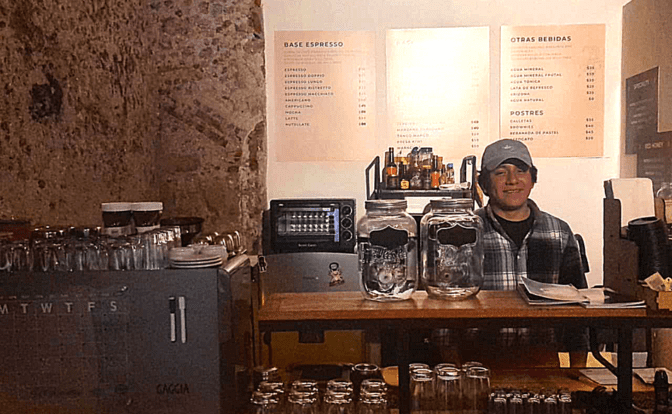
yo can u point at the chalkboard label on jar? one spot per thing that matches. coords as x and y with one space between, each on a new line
389 238
456 235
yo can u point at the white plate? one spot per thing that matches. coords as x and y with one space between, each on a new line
195 266
195 258
194 262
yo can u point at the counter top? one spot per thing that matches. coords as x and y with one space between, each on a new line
351 306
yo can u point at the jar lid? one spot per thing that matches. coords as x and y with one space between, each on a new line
114 207
147 206
380 204
461 203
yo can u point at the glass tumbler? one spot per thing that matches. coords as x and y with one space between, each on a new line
340 385
302 402
373 385
387 248
422 390
372 403
448 388
338 403
274 387
477 387
264 403
359 373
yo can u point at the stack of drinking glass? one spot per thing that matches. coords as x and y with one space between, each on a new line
82 249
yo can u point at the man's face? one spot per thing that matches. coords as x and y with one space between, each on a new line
510 187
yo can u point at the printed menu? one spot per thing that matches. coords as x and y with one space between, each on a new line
325 95
552 80
438 89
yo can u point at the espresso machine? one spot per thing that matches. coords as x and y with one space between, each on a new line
169 341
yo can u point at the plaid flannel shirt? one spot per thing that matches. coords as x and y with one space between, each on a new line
550 254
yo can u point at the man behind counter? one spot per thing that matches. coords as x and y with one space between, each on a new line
520 240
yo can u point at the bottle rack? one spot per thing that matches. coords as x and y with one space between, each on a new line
375 188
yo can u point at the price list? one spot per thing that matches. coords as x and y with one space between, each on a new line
438 89
324 95
553 89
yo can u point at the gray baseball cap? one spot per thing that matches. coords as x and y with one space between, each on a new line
502 150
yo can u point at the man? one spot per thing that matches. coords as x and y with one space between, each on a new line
520 240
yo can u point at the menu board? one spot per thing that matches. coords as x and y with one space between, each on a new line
552 96
325 95
438 89
641 110
653 160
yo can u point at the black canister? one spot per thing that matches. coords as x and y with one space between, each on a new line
117 219
650 236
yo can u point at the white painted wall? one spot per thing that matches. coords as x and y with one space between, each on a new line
571 188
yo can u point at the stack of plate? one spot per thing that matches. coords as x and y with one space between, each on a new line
189 258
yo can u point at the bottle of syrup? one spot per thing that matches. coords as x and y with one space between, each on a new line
435 174
414 171
391 171
404 184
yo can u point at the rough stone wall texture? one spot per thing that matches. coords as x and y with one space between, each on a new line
129 100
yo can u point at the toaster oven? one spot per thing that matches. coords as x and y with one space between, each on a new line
311 225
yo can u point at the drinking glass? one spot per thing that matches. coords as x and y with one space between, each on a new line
442 365
21 256
274 387
565 404
137 252
302 402
550 405
5 256
264 403
422 390
373 385
417 365
304 385
372 403
448 388
151 258
533 405
340 385
338 403
516 405
477 386
360 372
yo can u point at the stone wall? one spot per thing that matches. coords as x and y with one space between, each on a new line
133 101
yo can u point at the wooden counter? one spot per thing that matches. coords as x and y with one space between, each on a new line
497 305
349 310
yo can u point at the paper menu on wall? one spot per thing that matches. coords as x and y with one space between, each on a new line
325 95
552 88
438 88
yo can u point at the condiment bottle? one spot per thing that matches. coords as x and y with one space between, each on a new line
451 173
391 172
436 173
414 172
403 177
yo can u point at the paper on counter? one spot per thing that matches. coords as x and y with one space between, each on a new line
601 376
647 374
